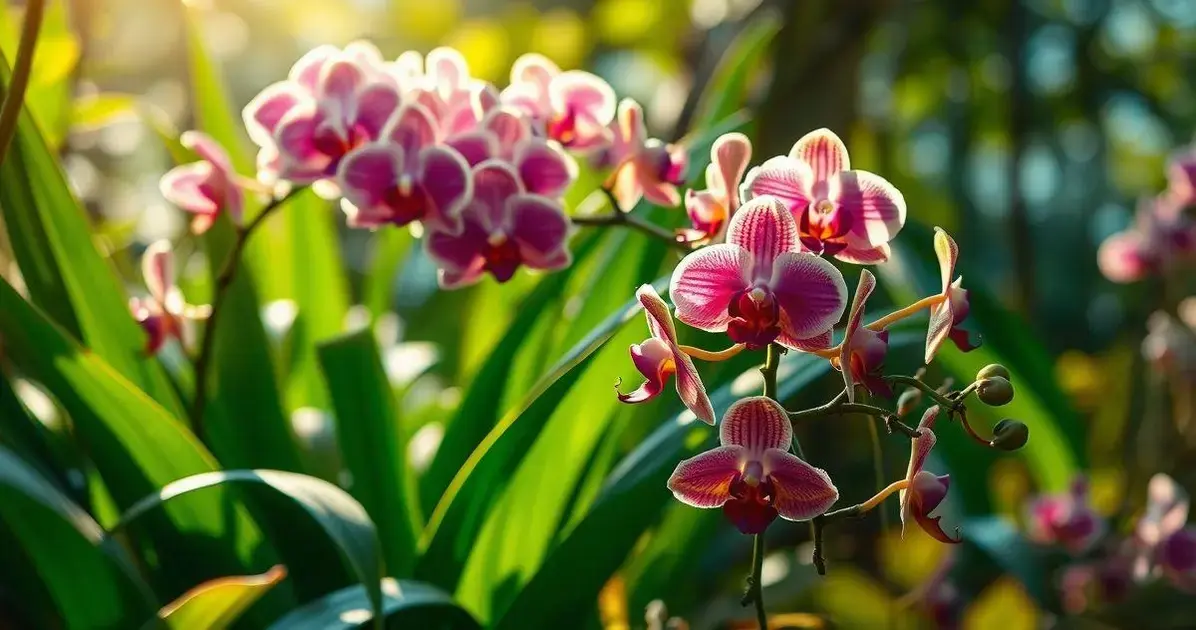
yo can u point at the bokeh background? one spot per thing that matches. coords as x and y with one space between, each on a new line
1027 128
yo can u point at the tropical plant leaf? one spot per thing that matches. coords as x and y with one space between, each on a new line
727 89
405 604
55 59
216 604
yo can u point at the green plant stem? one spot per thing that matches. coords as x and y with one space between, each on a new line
634 222
757 570
10 113
951 404
755 590
224 280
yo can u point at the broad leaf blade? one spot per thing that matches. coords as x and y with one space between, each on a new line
216 604
405 604
727 89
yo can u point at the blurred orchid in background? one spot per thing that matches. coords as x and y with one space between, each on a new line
163 312
643 167
1065 519
710 210
205 188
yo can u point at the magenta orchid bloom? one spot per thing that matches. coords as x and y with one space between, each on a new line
758 287
752 476
946 316
1165 545
849 214
659 357
457 101
575 108
504 134
1181 178
503 227
161 314
1065 519
1161 236
405 177
644 168
925 490
863 351
710 210
205 188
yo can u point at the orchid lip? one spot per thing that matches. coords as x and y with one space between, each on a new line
405 185
497 239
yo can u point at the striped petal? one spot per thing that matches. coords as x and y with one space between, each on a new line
863 290
704 481
756 423
786 179
875 207
800 491
654 360
704 283
660 320
729 160
942 316
690 388
764 227
810 291
824 152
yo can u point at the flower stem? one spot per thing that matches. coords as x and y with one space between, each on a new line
772 361
899 315
754 582
224 280
707 355
10 113
945 402
634 222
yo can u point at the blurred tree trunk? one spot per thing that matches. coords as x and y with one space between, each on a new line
1020 236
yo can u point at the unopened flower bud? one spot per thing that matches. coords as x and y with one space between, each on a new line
991 370
1010 435
908 401
995 391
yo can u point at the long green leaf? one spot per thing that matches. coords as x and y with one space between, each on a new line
90 578
216 604
405 604
367 429
342 518
727 89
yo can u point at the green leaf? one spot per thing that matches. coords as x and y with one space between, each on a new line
92 581
367 428
456 522
216 604
405 604
97 111
728 86
28 436
63 271
389 249
1000 542
341 518
55 59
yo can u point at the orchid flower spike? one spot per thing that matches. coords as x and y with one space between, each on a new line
505 134
862 354
644 168
161 314
925 490
1065 519
659 357
710 210
947 315
574 108
849 214
752 476
205 188
758 287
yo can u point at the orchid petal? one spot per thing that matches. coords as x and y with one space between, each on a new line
800 491
459 256
447 69
544 168
810 291
298 153
756 423
865 256
824 152
704 481
157 269
364 53
876 207
1166 510
533 68
365 174
786 179
691 390
541 228
376 104
660 320
340 80
476 146
729 156
209 151
494 182
927 492
630 132
863 290
186 187
587 95
412 128
942 315
656 191
705 212
821 341
1123 258
704 282
509 128
267 109
306 71
448 183
654 360
764 227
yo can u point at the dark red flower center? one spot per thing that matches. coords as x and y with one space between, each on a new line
407 200
755 318
750 508
563 127
823 229
336 145
502 257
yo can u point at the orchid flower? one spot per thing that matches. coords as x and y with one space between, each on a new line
946 316
457 101
405 177
161 314
504 134
575 108
659 357
1160 236
752 476
1065 519
849 214
925 490
758 287
1164 545
643 168
1181 178
862 353
710 210
205 188
504 227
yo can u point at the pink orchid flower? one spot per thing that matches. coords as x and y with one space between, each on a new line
1165 546
405 177
863 351
575 108
849 214
1160 237
946 316
457 101
752 476
643 168
205 188
1181 178
504 227
758 287
505 134
1065 519
161 314
710 210
926 490
659 357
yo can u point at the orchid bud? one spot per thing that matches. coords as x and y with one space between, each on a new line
908 401
995 391
991 370
1010 435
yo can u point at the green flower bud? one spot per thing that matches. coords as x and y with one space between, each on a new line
1010 435
995 391
991 370
908 401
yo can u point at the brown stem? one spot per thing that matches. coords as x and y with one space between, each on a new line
10 114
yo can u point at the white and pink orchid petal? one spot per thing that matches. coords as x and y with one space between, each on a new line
942 315
704 481
706 212
509 128
299 158
1124 258
476 146
528 100
821 341
407 69
210 151
306 71
654 360
764 227
544 168
585 95
460 257
824 152
494 182
376 104
729 158
539 225
412 128
625 186
855 315
448 70
660 320
188 187
876 207
366 174
690 388
629 131
364 53
810 291
340 81
705 282
267 109
800 491
657 192
448 184
756 423
535 69
786 179
865 256
947 253
157 269
920 448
